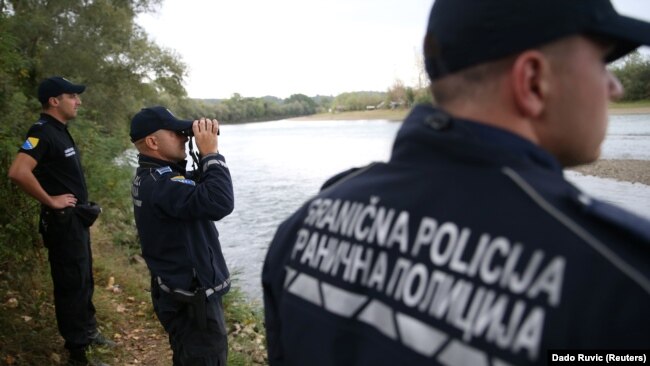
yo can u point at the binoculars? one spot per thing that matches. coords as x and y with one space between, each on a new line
189 133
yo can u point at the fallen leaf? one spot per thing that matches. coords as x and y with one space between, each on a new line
12 303
26 318
56 358
111 283
9 360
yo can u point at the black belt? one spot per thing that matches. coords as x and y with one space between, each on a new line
208 292
195 299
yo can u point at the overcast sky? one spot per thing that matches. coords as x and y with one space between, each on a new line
282 47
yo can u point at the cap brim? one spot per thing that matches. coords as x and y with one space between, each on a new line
79 89
628 33
178 125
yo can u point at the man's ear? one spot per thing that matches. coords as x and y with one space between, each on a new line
53 101
530 82
151 142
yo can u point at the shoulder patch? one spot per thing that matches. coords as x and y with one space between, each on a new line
164 170
182 179
30 143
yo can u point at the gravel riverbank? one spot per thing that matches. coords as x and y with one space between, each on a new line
635 171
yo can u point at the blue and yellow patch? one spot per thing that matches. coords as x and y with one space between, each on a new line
182 179
30 143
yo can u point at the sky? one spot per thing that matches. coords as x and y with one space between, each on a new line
314 47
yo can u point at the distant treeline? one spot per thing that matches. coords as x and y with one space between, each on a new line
247 109
633 71
240 109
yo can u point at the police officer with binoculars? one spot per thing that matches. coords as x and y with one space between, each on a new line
174 213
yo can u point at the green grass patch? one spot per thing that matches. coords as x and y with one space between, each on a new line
629 105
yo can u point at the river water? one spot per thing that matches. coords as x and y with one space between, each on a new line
277 166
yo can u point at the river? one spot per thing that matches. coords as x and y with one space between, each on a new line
276 166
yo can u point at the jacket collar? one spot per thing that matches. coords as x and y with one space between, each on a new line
53 121
148 162
431 133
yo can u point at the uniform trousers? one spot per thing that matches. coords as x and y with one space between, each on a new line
191 344
70 257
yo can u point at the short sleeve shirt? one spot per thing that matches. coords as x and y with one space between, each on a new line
59 164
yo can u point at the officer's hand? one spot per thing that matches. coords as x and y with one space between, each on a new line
63 201
205 135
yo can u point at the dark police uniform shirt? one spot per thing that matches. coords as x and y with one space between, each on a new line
467 248
174 216
59 164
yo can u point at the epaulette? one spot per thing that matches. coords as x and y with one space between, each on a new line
334 179
614 215
162 171
606 212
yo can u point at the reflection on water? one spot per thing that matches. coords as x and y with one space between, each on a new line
277 166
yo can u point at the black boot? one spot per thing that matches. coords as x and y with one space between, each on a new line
78 358
98 339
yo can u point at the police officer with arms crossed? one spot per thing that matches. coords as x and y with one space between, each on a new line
174 214
469 247
48 168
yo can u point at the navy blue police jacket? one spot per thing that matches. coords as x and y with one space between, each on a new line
467 248
174 216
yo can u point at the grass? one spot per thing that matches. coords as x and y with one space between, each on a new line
637 107
28 333
635 104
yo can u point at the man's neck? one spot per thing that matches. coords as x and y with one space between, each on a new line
496 115
54 114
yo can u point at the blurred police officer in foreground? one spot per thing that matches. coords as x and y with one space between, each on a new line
174 214
469 247
48 168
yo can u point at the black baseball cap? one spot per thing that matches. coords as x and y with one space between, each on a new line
152 119
55 86
465 33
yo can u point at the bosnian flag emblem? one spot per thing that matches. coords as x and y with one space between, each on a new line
30 143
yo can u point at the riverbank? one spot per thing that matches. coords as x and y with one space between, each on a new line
386 114
634 171
399 114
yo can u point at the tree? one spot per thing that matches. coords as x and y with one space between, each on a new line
96 43
308 104
634 73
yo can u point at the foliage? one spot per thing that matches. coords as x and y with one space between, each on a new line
399 95
246 109
634 73
357 101
95 43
